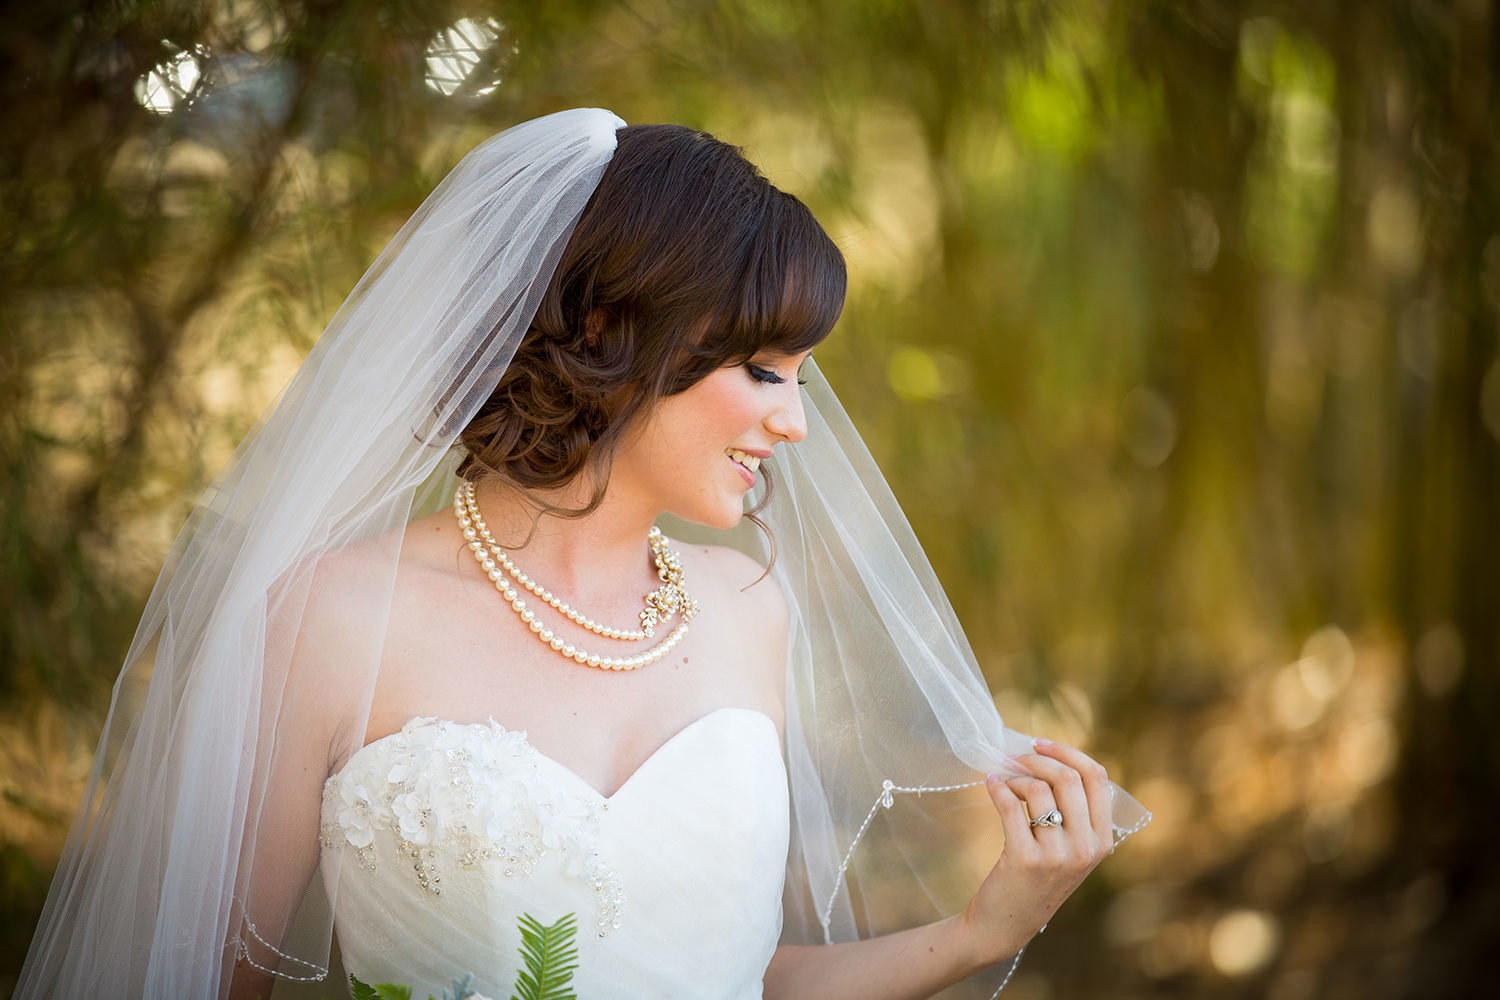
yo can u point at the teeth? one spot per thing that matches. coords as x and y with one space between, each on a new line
750 462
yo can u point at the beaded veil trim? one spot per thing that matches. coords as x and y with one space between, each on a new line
886 800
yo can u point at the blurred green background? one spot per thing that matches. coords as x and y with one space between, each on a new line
1173 324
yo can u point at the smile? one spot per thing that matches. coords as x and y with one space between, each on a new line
745 464
751 462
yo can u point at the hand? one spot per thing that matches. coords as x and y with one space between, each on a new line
1040 866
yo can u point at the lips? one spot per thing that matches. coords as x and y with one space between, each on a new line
749 461
746 463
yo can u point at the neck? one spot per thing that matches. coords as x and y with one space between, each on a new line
576 554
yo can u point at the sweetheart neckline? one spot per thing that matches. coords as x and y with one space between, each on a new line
493 727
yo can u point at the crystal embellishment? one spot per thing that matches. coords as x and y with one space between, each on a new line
466 797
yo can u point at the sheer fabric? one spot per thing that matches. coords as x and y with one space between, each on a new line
889 719
177 844
180 856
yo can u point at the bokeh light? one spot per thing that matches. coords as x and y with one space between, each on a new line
466 58
174 82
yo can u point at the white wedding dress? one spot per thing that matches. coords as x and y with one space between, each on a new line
442 835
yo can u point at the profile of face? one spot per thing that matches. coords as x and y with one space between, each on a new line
661 365
697 454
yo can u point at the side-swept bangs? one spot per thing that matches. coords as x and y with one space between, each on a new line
787 300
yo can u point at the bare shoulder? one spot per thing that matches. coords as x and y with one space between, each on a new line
744 583
345 600
744 606
333 603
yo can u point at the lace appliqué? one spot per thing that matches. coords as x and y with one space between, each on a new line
465 796
886 800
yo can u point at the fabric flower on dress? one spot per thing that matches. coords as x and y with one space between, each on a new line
466 797
503 752
356 817
416 819
568 824
403 769
505 810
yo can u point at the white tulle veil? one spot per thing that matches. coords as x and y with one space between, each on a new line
157 890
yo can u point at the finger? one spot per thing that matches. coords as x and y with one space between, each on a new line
1012 814
1095 783
1037 795
1067 788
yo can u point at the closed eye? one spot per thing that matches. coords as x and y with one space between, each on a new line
770 377
764 375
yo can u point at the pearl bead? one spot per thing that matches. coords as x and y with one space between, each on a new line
662 605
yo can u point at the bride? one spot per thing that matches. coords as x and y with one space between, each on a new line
398 676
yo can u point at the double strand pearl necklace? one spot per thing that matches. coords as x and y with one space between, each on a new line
669 599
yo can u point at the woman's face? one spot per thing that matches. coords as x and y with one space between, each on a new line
696 454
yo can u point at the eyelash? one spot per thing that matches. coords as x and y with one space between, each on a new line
769 377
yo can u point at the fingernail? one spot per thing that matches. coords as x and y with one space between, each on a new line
1041 742
993 779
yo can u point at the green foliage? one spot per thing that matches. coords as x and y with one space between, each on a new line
549 957
380 991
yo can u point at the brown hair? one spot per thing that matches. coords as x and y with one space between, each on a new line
685 260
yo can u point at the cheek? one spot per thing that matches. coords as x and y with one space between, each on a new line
730 403
712 415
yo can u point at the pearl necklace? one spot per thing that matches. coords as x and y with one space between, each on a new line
669 599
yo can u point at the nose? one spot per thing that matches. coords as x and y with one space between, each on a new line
788 421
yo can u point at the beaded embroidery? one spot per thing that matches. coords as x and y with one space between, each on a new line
465 796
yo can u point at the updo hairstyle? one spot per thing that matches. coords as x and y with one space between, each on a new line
685 260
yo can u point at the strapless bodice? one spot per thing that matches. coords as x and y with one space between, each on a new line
439 837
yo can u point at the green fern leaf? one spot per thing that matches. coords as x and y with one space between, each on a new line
549 958
360 990
380 991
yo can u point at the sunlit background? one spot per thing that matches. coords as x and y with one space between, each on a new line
1173 325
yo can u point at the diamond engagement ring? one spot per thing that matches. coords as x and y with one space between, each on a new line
1053 818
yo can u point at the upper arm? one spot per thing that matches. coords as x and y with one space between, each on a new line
320 653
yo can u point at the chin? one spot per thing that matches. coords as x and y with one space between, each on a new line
719 520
